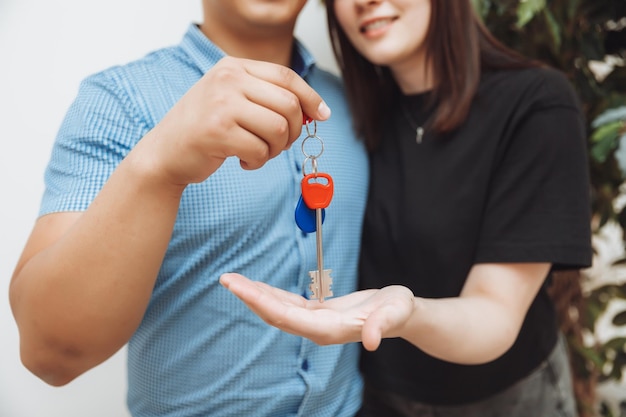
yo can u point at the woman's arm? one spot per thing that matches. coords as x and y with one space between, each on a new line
476 327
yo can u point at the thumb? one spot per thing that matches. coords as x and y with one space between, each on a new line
321 112
373 329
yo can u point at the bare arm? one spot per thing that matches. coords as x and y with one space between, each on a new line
484 321
84 280
476 327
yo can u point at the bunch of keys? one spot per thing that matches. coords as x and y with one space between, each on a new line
317 191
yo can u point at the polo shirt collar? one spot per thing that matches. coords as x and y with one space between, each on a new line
205 53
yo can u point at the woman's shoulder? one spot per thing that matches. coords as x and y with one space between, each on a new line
541 85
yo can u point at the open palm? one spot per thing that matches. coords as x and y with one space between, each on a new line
367 315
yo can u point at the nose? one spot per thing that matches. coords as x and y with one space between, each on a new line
364 3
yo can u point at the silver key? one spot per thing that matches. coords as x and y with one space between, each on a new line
321 281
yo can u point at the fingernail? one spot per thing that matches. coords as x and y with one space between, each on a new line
323 110
225 280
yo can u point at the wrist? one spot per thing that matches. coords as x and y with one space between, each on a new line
145 168
416 324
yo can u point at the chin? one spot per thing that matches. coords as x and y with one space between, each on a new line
380 60
278 10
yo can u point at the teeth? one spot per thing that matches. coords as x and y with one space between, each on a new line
376 25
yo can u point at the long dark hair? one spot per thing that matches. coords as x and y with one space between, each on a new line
458 45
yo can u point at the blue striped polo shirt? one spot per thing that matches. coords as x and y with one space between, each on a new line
199 351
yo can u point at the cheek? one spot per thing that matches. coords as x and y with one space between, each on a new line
348 21
344 15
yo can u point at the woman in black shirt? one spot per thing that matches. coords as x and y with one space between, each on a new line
479 191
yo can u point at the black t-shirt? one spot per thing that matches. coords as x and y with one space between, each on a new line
510 185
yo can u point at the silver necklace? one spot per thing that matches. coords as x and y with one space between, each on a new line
419 130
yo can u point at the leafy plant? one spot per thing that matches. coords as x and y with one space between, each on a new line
586 40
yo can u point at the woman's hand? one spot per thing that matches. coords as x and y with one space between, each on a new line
475 327
367 316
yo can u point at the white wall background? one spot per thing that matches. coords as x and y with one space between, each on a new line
46 48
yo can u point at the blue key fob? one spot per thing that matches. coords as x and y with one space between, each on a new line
305 217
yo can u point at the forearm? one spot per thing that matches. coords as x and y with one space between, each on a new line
79 299
483 322
468 330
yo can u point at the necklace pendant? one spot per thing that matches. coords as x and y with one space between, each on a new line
419 134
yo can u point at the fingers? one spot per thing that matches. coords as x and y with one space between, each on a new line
372 331
308 100
241 286
389 318
284 296
250 110
257 108
286 311
263 134
262 302
276 307
258 292
283 97
274 113
368 316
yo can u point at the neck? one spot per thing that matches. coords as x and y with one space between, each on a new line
413 77
264 45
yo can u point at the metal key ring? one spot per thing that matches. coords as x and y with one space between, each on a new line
321 144
306 125
313 160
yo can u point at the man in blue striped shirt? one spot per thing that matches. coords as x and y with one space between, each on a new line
168 172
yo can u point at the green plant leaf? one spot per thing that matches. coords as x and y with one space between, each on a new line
605 410
602 149
591 47
620 320
572 8
617 344
605 140
609 116
591 355
481 7
607 132
554 28
620 153
620 291
527 9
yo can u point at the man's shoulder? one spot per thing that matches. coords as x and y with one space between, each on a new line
145 88
157 63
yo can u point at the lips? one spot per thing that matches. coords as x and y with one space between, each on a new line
375 24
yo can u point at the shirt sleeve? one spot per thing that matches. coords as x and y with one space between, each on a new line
538 209
98 131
